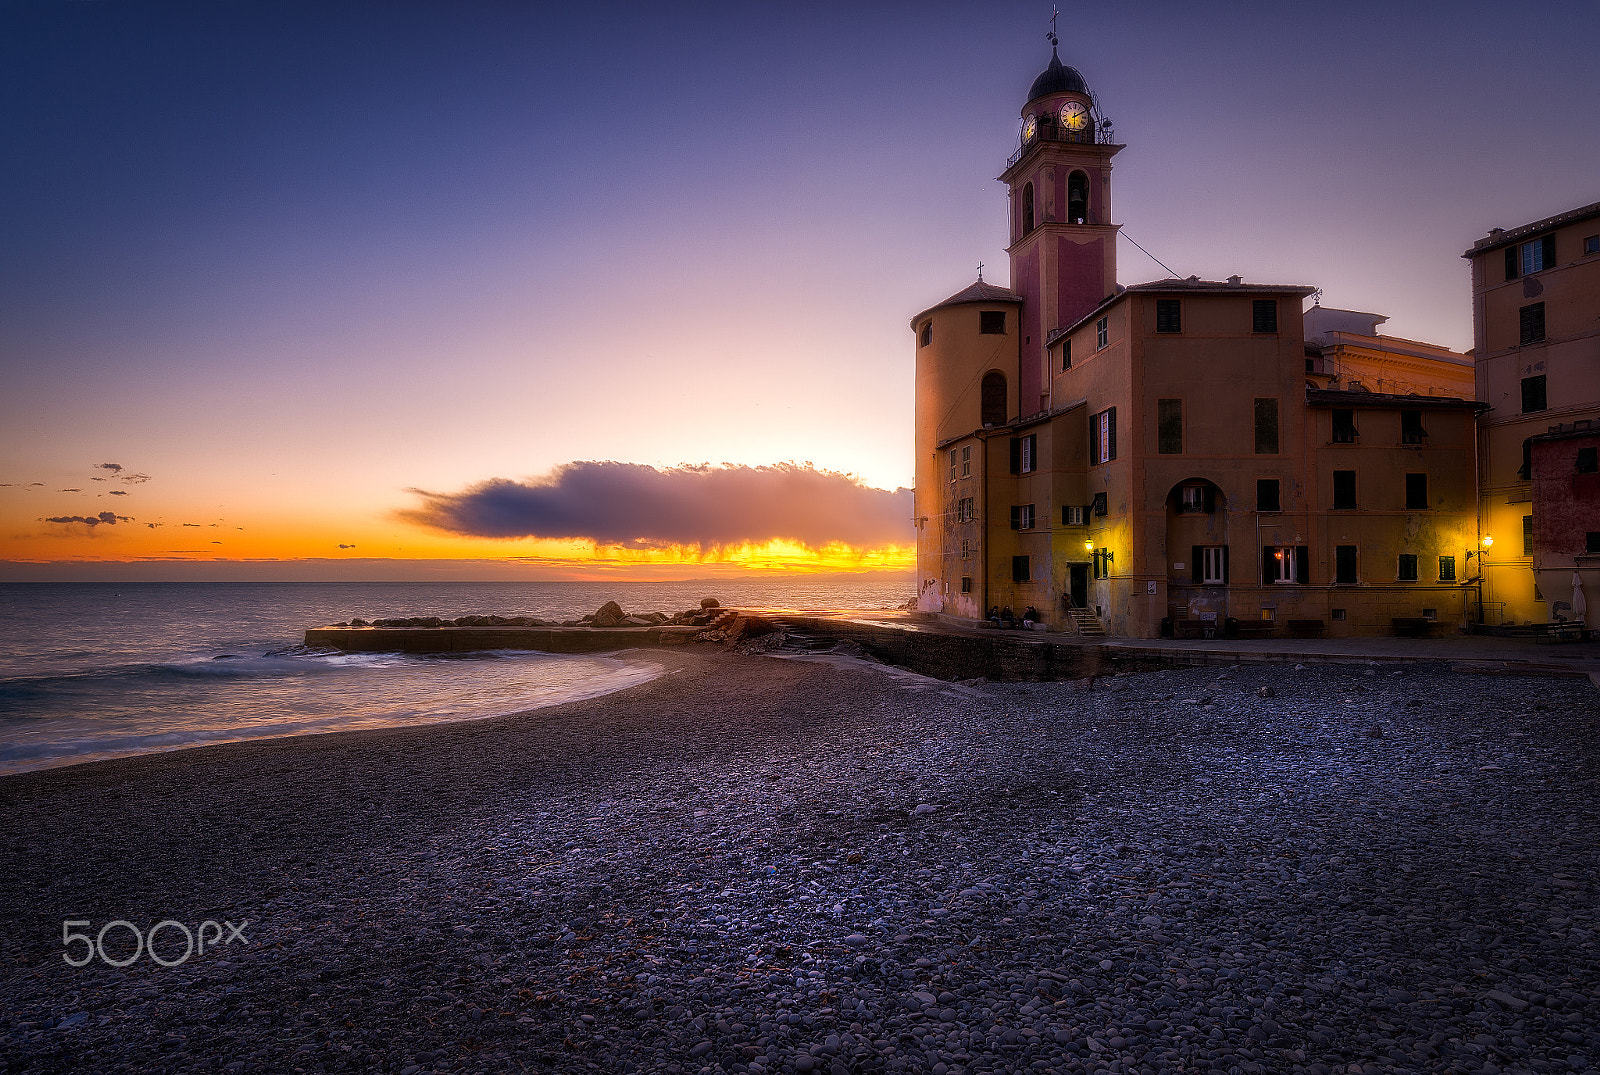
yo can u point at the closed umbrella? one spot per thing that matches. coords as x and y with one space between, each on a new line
1579 603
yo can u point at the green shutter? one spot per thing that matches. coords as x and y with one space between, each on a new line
1196 576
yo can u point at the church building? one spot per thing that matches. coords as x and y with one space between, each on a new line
1175 455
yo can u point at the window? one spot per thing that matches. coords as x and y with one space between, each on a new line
1077 198
1533 397
1025 454
966 551
1591 244
994 398
1099 505
1101 333
1416 492
1344 426
992 322
1066 353
1075 515
1169 315
964 510
1027 209
925 335
1169 426
1019 569
1266 427
966 461
1525 471
966 583
1102 563
1408 568
1531 323
1447 569
1022 516
1339 614
1284 563
1264 315
1103 436
1210 564
1344 490
1587 461
1535 256
1591 541
1267 498
955 463
1411 431
1344 563
1196 498
1527 535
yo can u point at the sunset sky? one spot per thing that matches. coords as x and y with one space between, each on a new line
323 290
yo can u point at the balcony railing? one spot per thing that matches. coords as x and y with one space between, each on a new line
1053 133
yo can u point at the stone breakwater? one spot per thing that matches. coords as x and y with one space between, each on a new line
765 866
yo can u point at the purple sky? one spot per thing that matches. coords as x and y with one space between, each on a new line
292 261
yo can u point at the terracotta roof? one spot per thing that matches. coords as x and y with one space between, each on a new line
1334 397
1194 283
1499 238
977 292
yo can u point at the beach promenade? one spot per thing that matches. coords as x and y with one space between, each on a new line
765 863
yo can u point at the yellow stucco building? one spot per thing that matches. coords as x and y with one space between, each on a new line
1176 455
1536 332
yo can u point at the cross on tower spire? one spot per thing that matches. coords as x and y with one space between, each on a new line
980 272
1051 36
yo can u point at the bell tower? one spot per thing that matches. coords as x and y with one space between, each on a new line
1063 244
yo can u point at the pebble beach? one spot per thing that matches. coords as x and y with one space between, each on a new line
755 863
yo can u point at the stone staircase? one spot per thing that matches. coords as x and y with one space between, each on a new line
1085 622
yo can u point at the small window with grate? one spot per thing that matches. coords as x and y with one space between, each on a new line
1264 315
1344 426
966 583
1411 431
1066 353
1407 571
992 322
925 335
1591 244
1102 333
1019 569
1447 569
1527 535
1169 315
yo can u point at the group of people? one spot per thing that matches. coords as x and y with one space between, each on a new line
1003 618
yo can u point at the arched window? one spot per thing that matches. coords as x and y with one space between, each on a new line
1027 209
1077 198
994 398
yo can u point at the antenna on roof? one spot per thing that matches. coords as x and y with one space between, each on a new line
1316 297
1051 36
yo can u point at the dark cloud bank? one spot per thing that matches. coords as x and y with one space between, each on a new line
104 518
638 506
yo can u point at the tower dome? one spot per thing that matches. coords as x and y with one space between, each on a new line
1057 78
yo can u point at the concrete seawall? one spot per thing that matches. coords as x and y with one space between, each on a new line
478 639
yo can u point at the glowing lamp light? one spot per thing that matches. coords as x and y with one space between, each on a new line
1487 541
1088 546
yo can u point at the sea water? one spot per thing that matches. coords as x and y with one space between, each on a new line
98 670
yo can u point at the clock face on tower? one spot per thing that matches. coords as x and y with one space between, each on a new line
1074 117
1030 127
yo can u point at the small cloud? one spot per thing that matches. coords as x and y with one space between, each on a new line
105 517
118 492
115 468
99 479
154 525
135 479
195 525
346 546
35 485
216 543
69 490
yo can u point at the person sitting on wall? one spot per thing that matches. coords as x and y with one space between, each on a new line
1030 616
994 615
1006 619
